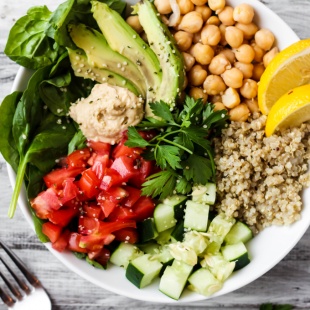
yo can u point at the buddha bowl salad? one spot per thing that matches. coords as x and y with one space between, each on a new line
116 158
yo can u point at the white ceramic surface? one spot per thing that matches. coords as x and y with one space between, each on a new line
266 249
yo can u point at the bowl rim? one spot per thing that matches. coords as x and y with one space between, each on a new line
67 258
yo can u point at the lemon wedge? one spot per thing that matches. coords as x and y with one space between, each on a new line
288 69
292 109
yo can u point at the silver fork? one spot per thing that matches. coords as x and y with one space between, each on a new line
33 297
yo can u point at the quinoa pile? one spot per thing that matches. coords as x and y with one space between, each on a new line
259 179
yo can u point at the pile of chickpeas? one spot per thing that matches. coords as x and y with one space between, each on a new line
225 52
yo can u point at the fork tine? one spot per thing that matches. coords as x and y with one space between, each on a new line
12 288
34 281
20 282
6 298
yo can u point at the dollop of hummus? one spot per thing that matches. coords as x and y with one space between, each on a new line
107 112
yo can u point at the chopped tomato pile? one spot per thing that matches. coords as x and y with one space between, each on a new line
95 198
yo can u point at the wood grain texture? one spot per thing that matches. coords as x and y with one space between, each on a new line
288 282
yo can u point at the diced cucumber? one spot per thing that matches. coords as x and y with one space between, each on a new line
173 280
147 230
196 216
143 270
125 253
203 282
218 265
236 253
178 232
164 236
240 232
196 241
149 248
204 193
183 253
164 217
178 202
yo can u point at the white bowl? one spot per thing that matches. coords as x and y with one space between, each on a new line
266 249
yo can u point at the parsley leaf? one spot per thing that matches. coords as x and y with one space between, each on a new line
168 155
162 110
134 139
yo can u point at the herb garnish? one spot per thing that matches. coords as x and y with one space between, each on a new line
182 148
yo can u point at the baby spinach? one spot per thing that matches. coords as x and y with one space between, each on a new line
28 45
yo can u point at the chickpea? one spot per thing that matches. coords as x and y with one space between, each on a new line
185 6
163 6
183 40
216 5
215 98
234 36
214 85
243 13
245 68
196 75
191 22
245 53
249 89
197 93
222 28
252 105
199 2
213 20
270 55
202 53
211 35
226 16
240 113
229 54
259 52
264 38
185 83
218 106
134 23
219 64
258 70
189 61
197 37
248 30
204 10
233 77
230 98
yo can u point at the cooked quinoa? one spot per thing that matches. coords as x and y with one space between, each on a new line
259 179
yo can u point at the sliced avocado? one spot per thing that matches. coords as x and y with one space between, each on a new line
101 56
82 68
123 39
163 44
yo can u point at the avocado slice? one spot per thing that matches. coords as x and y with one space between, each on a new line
126 41
82 68
163 44
100 55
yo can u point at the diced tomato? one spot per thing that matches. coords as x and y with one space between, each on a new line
129 235
102 256
143 208
45 203
73 243
88 225
109 227
63 217
147 135
95 242
125 166
144 170
79 158
89 183
70 190
101 148
62 242
110 179
52 231
122 150
92 210
100 164
115 194
121 214
132 197
56 177
107 206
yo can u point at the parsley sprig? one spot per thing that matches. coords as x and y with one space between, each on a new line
182 148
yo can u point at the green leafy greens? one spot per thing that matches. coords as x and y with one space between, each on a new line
182 148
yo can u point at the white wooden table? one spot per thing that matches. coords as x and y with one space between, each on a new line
288 282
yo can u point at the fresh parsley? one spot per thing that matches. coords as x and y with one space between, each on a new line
182 147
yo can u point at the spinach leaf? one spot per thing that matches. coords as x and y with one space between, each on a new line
78 142
7 147
27 44
38 227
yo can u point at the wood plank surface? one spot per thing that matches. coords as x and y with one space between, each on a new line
288 282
